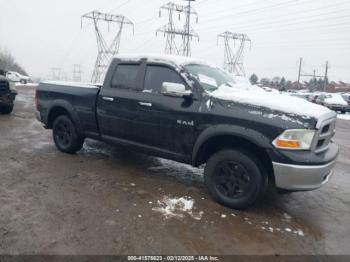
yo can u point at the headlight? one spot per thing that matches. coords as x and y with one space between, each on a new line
295 139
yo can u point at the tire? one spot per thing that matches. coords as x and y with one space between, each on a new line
342 112
23 81
7 110
65 135
235 178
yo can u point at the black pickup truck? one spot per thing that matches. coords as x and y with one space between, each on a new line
188 111
7 96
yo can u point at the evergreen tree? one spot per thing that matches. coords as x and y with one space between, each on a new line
253 79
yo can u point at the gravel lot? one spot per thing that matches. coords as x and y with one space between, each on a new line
107 200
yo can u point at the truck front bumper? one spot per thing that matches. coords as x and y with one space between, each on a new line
302 177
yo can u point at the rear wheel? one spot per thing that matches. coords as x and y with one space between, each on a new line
65 135
235 178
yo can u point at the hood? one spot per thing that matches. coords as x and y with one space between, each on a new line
270 100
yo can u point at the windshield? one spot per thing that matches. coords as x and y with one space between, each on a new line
210 78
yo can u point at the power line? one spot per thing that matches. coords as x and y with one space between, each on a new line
300 12
119 6
283 29
250 11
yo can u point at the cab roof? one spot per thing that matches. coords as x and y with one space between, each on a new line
168 59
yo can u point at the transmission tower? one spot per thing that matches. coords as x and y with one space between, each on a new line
105 51
77 73
56 73
190 33
233 59
170 31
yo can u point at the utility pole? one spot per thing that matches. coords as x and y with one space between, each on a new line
300 63
233 61
77 73
314 75
106 51
325 78
170 30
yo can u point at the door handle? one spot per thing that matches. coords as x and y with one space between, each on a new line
106 98
145 104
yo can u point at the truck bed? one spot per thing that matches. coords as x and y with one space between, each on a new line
79 98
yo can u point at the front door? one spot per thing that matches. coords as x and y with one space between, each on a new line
164 121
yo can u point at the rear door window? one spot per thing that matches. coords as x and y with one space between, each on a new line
126 77
157 75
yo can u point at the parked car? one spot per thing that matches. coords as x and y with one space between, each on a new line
300 95
346 97
17 77
334 102
313 98
188 111
7 96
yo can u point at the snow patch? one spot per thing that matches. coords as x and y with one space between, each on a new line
173 59
177 208
73 84
344 117
27 84
275 101
335 99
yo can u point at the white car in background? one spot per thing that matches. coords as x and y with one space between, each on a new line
17 77
334 102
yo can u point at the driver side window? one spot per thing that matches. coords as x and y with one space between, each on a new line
157 75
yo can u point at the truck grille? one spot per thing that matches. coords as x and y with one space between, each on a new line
325 132
4 86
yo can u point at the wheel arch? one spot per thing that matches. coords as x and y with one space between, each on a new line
61 107
217 138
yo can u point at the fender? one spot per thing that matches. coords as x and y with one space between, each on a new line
69 108
238 131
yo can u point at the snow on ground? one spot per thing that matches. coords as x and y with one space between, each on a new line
177 208
344 117
28 84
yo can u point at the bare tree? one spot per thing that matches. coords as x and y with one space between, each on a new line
8 62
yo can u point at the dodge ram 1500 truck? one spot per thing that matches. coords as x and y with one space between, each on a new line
7 96
189 111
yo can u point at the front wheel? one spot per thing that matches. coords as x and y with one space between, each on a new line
65 135
235 178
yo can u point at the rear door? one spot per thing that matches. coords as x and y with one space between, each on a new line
118 100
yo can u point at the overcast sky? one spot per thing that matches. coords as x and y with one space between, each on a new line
42 34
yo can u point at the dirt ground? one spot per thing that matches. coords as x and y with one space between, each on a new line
104 200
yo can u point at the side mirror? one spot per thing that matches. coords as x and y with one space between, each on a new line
175 89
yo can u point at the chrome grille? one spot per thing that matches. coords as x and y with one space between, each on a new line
324 134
